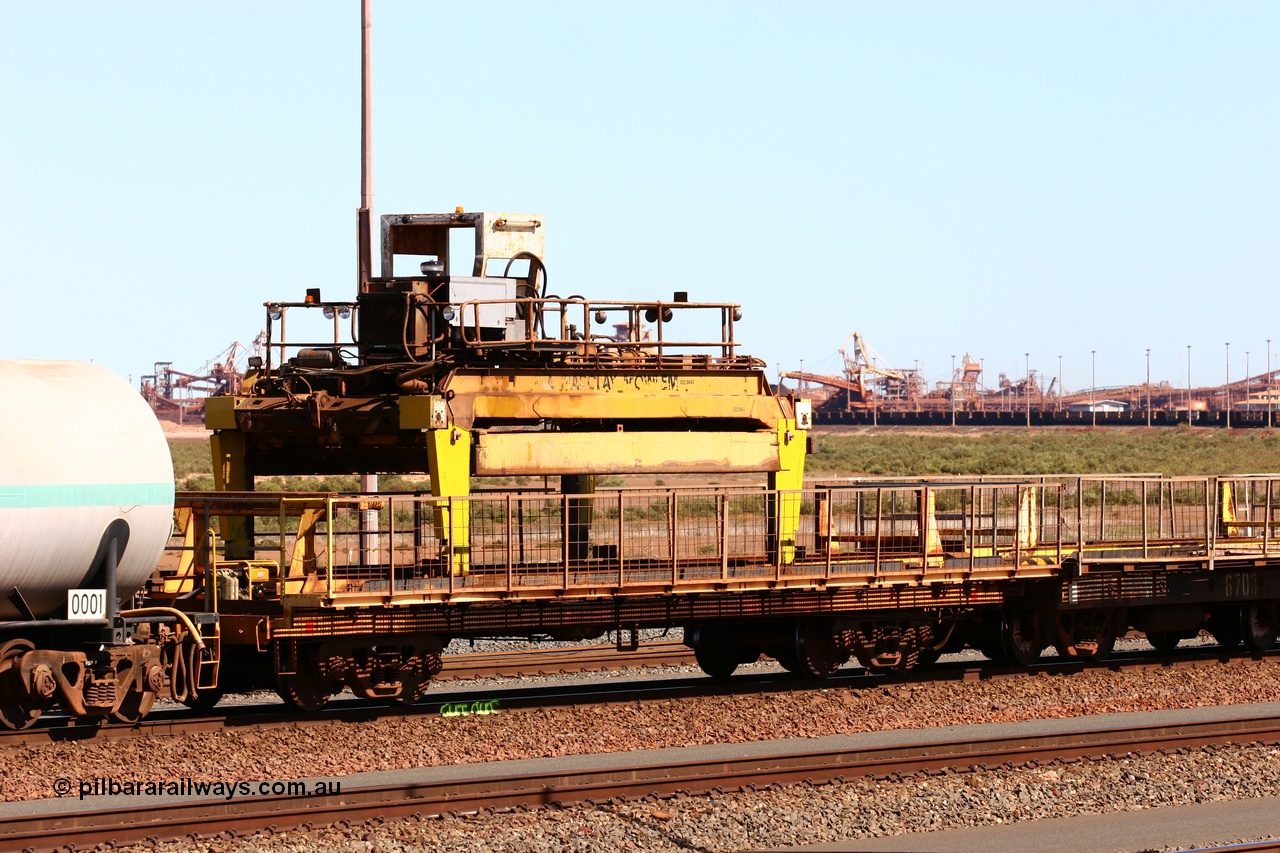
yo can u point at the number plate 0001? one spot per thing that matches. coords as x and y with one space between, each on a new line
86 604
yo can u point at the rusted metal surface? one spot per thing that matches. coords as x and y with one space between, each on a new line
627 778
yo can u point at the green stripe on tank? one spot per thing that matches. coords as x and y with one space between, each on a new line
85 494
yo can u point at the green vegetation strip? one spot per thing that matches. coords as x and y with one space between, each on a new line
1174 452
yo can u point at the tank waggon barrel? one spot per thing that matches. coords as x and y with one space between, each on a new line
86 507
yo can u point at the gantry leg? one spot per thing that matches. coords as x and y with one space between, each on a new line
784 509
231 473
449 460
578 514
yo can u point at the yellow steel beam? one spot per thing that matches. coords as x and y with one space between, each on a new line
535 453
567 396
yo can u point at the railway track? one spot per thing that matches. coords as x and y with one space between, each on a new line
456 790
273 714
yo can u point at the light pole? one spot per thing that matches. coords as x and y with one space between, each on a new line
911 389
1268 383
953 389
1093 385
1059 383
1188 383
1148 386
1248 400
1227 388
1028 386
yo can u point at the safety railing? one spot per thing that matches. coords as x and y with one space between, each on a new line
341 315
639 333
632 540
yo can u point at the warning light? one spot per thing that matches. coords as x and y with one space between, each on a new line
313 296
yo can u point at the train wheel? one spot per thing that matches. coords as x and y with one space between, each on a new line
817 653
140 693
135 705
717 662
717 656
1164 641
303 693
17 709
1019 640
1256 628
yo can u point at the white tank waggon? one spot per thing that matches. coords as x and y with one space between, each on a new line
86 507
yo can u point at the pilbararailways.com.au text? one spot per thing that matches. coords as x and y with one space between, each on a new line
112 787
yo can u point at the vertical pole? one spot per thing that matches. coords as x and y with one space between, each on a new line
1102 510
970 520
1059 383
827 522
1146 541
1227 388
1268 521
1061 491
364 216
1188 383
953 390
1148 387
506 537
724 535
673 513
1269 383
364 245
1093 385
879 532
1028 387
109 571
1079 521
1017 527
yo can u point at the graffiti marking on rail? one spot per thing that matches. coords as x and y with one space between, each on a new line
479 708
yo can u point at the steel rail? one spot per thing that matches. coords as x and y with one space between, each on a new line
626 778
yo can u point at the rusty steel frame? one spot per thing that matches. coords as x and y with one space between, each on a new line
716 540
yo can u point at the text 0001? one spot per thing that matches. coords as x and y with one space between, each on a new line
86 604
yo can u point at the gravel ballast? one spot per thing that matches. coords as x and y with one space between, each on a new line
721 822
341 748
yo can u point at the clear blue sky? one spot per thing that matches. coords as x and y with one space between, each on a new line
990 178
